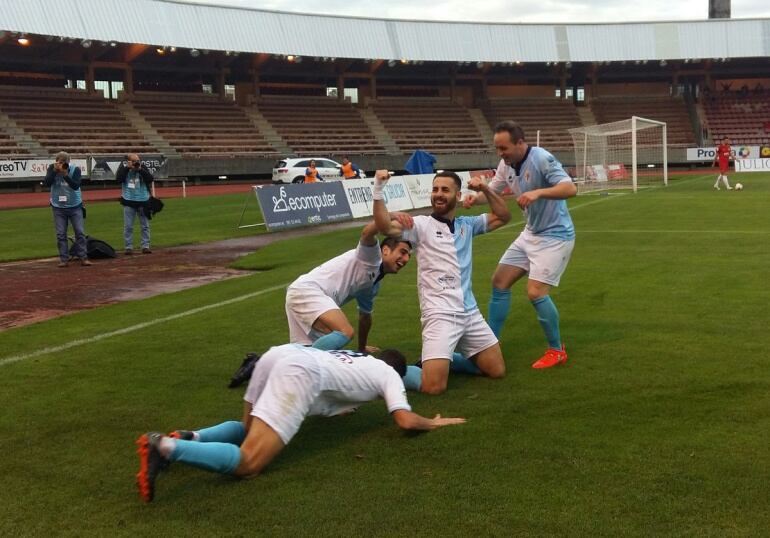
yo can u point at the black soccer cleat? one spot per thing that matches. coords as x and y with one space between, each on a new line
151 463
243 373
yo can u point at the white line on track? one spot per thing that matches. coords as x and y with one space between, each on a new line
133 328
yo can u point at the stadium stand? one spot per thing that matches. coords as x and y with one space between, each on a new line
431 124
9 149
71 120
551 116
743 119
672 110
198 124
319 125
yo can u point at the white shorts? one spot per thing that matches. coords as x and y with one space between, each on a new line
544 258
284 384
304 305
443 333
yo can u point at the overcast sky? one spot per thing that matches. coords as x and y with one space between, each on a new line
547 11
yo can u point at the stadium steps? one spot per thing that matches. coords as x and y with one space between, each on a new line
586 116
482 125
138 122
20 136
267 130
379 131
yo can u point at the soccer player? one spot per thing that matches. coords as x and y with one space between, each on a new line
313 301
450 316
289 383
723 155
543 249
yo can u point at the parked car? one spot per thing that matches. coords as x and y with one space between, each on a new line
293 170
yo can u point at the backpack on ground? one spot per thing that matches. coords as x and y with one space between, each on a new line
96 249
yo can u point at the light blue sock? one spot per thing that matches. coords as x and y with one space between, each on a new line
218 457
333 340
231 432
548 317
413 378
462 365
499 304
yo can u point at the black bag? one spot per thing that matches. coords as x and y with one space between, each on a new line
154 205
96 249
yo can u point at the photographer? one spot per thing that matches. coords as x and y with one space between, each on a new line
136 182
67 203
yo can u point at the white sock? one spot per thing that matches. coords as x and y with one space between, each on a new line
196 436
716 185
727 183
167 446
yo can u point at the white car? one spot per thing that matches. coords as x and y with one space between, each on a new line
293 170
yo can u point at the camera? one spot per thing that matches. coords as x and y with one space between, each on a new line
136 164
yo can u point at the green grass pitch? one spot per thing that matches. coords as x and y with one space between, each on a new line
659 424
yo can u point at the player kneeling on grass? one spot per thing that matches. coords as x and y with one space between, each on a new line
289 383
313 301
450 317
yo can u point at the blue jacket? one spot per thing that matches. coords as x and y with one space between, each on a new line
65 189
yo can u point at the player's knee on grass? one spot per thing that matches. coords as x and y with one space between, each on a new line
491 362
435 374
261 445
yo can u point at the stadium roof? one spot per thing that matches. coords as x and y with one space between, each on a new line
204 27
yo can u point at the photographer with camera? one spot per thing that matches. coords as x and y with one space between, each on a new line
136 183
67 203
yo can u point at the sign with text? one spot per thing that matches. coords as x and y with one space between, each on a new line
291 206
359 193
708 154
752 165
104 168
33 168
419 187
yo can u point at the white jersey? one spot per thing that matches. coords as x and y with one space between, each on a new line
444 261
538 170
345 276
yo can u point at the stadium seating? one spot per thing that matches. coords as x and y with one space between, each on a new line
551 116
72 121
742 119
431 124
671 110
9 149
319 125
198 124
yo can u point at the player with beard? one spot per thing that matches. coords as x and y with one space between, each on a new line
449 314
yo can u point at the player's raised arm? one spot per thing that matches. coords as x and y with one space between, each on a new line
500 214
382 218
407 420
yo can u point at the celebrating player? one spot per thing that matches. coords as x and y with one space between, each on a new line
289 383
450 316
723 155
543 249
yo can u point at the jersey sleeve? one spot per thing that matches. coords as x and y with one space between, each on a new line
477 224
551 169
498 183
394 392
370 255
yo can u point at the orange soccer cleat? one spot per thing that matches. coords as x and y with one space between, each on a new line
552 357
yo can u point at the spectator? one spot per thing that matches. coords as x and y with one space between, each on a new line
67 205
349 170
312 174
136 183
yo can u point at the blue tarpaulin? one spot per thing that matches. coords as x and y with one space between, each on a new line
421 162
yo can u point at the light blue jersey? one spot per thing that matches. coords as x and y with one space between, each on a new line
538 170
444 261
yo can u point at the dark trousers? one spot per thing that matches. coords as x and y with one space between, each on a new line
61 217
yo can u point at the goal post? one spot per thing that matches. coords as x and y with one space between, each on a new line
626 154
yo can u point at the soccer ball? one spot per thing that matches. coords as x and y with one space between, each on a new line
739 186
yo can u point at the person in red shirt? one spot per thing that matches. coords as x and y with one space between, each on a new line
723 156
312 174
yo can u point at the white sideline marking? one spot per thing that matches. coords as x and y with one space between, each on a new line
716 232
138 326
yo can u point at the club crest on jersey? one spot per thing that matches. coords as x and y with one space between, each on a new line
439 234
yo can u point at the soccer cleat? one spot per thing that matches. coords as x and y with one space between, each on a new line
184 435
243 373
151 462
552 357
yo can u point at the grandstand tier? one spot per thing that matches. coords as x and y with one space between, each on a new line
744 119
552 117
671 110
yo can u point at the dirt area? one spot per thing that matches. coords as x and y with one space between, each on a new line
37 290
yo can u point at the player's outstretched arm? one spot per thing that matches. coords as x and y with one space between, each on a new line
382 218
369 234
500 214
407 420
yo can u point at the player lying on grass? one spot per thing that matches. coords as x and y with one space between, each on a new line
450 317
288 383
313 301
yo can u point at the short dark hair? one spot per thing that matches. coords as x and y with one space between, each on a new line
395 359
451 175
392 242
512 128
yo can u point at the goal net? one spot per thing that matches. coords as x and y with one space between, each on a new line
626 154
